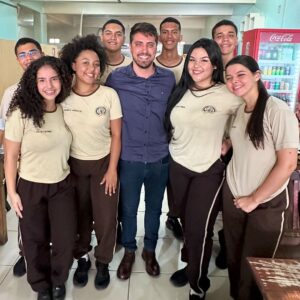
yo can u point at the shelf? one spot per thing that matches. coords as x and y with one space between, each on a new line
267 61
280 91
277 76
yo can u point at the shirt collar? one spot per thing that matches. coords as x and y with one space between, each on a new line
131 72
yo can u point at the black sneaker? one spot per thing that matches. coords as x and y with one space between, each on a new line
197 296
102 278
179 278
20 267
59 292
174 225
81 274
44 295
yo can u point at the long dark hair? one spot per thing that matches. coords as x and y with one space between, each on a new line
27 97
254 128
186 82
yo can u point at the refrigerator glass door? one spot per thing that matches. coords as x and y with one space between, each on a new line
279 64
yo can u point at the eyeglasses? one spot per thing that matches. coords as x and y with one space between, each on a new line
30 53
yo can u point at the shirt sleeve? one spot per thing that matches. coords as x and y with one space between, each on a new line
6 99
14 127
285 130
115 110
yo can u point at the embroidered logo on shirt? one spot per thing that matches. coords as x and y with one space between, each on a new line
71 109
101 110
209 109
43 131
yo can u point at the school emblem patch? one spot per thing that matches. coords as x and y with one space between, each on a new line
101 110
209 109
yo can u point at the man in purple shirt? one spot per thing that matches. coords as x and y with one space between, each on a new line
143 89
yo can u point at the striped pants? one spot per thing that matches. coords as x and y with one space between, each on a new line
196 194
255 234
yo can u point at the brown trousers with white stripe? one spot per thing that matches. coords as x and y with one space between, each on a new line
197 196
255 234
49 215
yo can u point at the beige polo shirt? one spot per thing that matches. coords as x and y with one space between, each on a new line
109 68
177 70
44 151
199 121
88 118
6 99
249 167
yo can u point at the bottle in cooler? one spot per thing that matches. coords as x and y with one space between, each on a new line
287 86
281 71
270 70
265 70
274 54
268 54
279 52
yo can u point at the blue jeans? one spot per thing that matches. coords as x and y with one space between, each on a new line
133 175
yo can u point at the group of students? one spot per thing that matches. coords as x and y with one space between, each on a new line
77 153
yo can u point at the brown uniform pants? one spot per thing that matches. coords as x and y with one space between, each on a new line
197 196
49 215
94 205
255 234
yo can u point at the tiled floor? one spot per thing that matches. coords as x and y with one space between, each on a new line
139 287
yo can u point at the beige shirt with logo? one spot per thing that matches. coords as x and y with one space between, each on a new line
177 70
88 118
199 121
109 68
249 167
44 151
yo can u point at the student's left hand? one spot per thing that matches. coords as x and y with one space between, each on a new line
246 204
110 179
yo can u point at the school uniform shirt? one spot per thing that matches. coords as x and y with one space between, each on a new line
249 167
199 121
88 118
44 151
109 68
177 70
6 99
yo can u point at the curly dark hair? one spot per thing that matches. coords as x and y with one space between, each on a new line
27 97
71 51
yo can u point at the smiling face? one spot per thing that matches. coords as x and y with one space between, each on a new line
143 50
226 38
87 67
26 54
241 81
170 35
48 84
200 68
113 37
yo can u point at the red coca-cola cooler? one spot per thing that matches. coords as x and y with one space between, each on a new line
278 54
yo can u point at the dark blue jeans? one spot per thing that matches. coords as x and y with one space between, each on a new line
133 175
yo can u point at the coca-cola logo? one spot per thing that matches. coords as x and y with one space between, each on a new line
287 37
